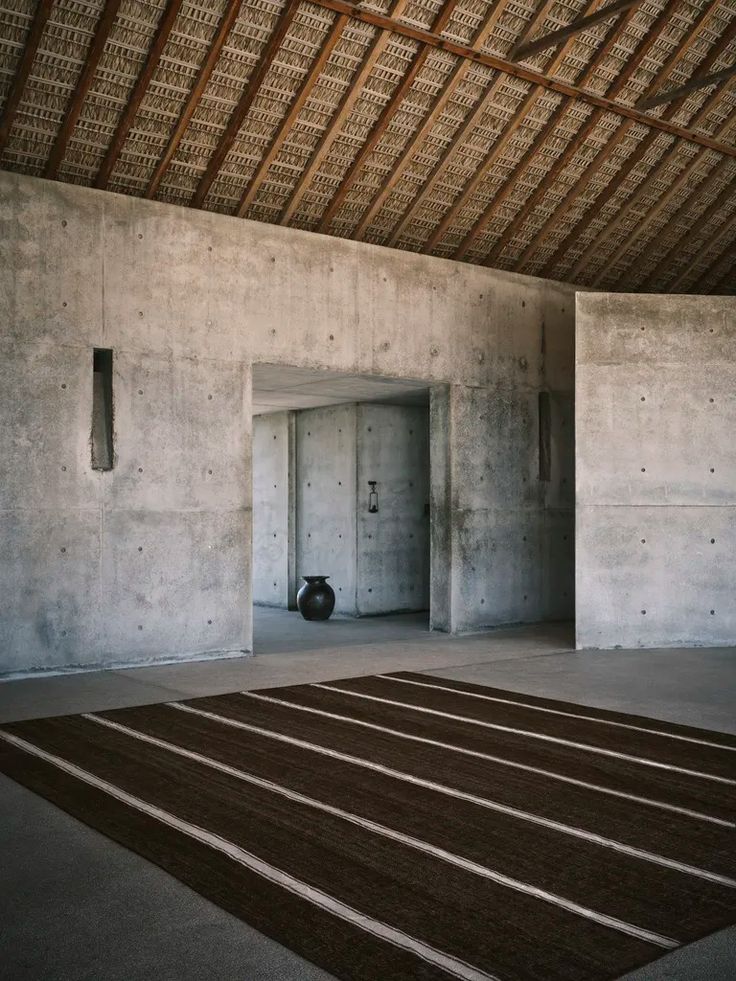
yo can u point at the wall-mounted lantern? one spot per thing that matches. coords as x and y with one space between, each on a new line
372 497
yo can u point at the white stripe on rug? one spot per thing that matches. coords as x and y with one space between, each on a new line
418 844
525 767
452 965
644 761
490 805
551 711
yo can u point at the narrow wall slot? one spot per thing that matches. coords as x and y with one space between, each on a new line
545 449
102 432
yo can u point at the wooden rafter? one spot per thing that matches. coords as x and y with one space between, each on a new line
664 200
700 82
682 178
554 38
653 246
241 110
615 221
455 77
725 234
531 26
557 167
230 15
298 103
171 12
23 70
351 95
670 194
387 113
632 161
492 156
728 280
86 77
713 209
646 143
565 89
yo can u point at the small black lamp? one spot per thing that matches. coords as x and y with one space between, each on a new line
372 497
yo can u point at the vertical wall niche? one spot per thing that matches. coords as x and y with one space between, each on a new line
102 414
545 437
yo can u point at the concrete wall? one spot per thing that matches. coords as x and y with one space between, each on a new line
188 301
273 509
393 545
325 500
656 470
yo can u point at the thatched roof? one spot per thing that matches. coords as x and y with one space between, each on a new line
412 123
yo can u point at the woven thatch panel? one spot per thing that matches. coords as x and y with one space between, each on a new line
619 205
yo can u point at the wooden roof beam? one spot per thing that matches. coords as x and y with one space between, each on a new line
610 227
554 38
74 108
726 282
725 234
641 151
22 72
171 12
616 138
519 71
557 167
387 113
417 138
700 82
641 228
241 110
284 128
227 21
515 122
702 220
350 96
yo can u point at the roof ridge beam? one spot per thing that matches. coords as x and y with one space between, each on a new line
515 121
641 150
518 71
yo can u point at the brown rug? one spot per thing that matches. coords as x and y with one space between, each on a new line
405 826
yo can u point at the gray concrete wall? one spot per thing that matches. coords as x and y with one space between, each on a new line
656 470
273 509
393 545
325 500
188 301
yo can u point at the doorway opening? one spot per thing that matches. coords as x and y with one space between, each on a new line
341 488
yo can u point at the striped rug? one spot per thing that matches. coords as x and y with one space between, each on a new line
405 826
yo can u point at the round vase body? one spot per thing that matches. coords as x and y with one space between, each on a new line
316 599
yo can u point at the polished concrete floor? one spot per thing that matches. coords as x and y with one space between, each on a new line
75 905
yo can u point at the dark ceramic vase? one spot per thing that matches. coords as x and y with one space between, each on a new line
316 599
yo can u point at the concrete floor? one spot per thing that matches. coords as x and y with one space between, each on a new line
76 905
